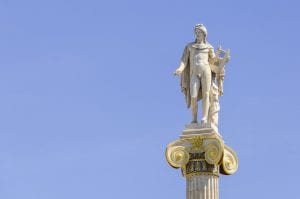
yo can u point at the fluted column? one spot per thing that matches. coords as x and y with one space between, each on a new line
202 187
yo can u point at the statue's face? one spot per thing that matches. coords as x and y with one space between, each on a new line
199 34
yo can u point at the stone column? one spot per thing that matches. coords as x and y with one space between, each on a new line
202 187
202 156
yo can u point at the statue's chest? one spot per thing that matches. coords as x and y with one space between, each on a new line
199 55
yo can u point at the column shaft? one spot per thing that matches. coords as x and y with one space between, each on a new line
202 187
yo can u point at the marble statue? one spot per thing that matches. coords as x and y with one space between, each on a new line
200 151
202 74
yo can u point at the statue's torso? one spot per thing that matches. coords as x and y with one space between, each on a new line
199 55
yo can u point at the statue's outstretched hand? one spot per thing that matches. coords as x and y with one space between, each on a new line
178 72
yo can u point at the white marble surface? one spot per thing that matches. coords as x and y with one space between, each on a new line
202 187
199 129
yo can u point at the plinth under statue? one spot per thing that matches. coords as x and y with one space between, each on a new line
200 151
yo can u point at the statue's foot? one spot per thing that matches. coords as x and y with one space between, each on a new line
194 122
203 122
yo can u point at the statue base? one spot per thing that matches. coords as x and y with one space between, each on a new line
199 129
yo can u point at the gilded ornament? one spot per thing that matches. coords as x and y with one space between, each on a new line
196 142
230 161
177 156
213 151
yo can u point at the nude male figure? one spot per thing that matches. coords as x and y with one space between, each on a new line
196 74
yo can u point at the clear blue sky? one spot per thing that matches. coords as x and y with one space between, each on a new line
88 101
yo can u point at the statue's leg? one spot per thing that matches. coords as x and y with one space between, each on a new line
194 88
194 107
206 84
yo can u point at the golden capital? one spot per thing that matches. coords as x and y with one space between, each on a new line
201 154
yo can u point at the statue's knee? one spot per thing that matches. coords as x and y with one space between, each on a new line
194 99
206 94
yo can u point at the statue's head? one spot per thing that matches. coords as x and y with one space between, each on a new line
200 32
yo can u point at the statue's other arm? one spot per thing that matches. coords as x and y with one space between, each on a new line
183 62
